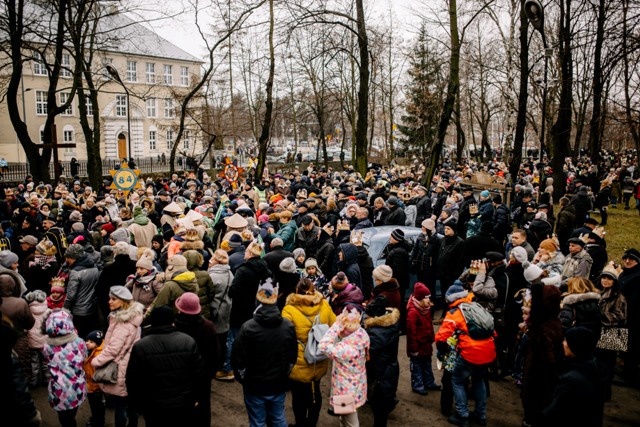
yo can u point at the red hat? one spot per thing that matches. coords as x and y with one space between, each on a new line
188 303
420 291
108 227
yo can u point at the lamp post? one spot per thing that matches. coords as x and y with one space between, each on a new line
535 14
113 72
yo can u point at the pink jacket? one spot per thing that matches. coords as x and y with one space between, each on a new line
123 332
36 336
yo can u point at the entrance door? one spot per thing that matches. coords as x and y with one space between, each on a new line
122 146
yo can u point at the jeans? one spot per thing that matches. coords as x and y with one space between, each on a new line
306 401
263 410
461 373
231 337
421 373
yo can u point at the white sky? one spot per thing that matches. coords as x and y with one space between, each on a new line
181 31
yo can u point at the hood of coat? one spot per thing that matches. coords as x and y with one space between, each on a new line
141 220
350 253
132 314
391 285
259 267
83 263
59 323
198 245
390 318
219 269
571 299
460 297
187 281
268 315
9 288
38 308
305 300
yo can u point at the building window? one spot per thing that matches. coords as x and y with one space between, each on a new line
168 108
151 72
39 69
169 139
184 76
151 107
67 136
64 97
65 71
41 102
168 74
185 140
121 106
152 140
89 107
132 71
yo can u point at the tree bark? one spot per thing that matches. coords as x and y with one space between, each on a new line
361 142
523 96
263 141
598 86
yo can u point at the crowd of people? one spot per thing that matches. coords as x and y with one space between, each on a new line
139 301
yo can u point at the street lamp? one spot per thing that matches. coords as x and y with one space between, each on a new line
113 72
535 14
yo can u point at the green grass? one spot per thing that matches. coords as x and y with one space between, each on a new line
623 230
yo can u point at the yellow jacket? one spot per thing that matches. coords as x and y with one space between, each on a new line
301 310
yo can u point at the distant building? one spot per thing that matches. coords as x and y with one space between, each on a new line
153 70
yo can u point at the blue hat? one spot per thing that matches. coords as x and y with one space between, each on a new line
455 292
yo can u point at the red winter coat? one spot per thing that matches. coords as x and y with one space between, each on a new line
391 291
420 334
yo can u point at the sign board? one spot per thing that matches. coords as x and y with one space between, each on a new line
125 179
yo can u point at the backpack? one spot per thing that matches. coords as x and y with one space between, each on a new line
312 353
479 320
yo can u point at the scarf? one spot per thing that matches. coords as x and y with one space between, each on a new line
42 261
422 310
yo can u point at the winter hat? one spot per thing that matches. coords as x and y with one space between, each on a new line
549 245
108 227
59 323
298 252
192 235
629 253
57 285
235 240
77 226
194 259
29 240
162 316
8 258
74 251
220 257
75 216
393 200
277 243
339 281
137 211
121 292
95 336
37 296
383 273
576 241
235 221
120 235
532 272
256 249
288 265
311 262
519 254
453 224
176 262
581 341
145 262
429 224
454 293
609 271
46 247
377 307
398 234
262 219
267 293
420 291
484 194
189 303
541 215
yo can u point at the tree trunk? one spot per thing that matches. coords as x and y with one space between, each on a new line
598 86
561 130
263 141
523 96
361 142
452 92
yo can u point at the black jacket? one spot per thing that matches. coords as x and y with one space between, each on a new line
349 263
244 288
424 257
325 256
165 371
476 247
275 257
395 216
204 333
114 274
423 210
450 259
465 215
365 264
581 310
264 352
398 260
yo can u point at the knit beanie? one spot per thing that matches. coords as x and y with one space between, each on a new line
549 245
77 226
581 341
145 262
288 265
454 293
95 336
298 252
519 254
176 262
161 316
398 234
8 258
532 272
120 235
235 240
339 281
383 273
420 291
311 262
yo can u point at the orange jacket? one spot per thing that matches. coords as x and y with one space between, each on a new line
92 386
478 352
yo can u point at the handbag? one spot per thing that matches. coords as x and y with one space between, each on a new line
343 404
614 338
107 374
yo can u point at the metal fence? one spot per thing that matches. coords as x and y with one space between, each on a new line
16 172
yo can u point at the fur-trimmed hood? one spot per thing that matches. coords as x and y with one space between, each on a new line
131 314
198 245
571 299
390 318
305 300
